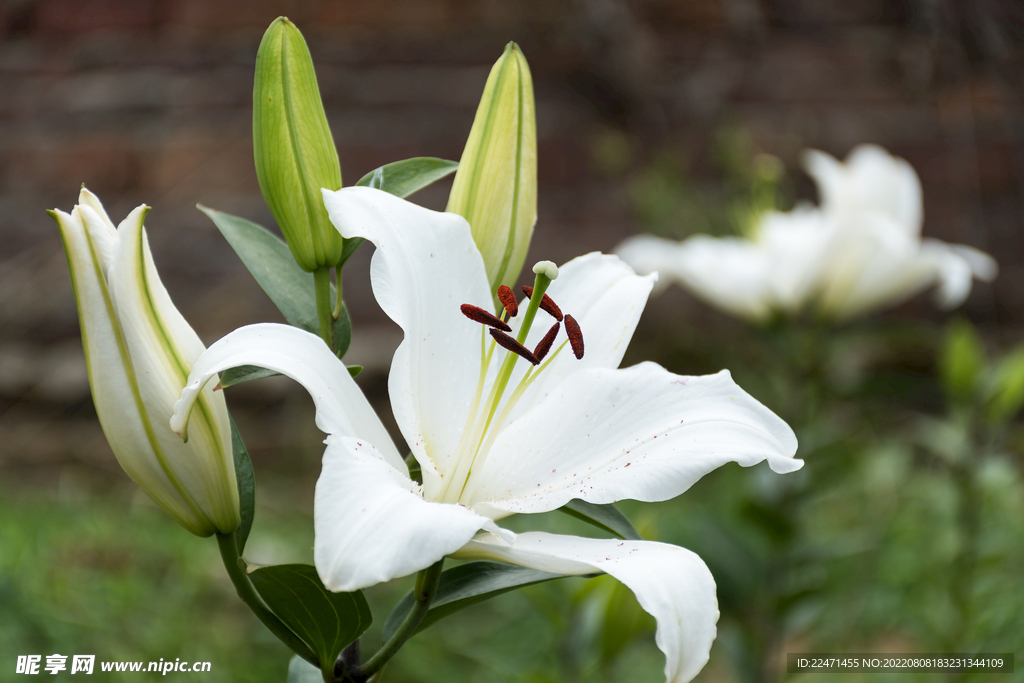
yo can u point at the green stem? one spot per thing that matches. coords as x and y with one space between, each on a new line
339 302
246 591
322 283
426 588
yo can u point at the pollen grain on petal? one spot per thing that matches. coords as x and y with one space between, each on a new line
477 314
514 346
508 299
545 344
575 334
547 304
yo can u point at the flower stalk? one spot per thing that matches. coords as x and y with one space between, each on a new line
324 308
427 582
233 563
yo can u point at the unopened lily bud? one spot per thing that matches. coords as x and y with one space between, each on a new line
495 187
139 351
293 147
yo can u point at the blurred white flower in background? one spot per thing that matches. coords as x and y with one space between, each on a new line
859 251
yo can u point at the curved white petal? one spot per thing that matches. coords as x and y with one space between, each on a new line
795 245
163 347
648 254
983 266
957 265
870 180
731 273
641 433
372 525
670 583
425 267
102 232
875 264
341 407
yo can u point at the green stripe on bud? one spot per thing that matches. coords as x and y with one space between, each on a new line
293 148
495 187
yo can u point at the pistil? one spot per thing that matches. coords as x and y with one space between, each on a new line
545 272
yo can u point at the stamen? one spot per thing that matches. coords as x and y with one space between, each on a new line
575 334
514 346
508 300
545 344
546 303
477 314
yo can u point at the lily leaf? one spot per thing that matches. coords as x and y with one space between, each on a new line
402 178
244 373
301 671
248 373
467 585
270 261
246 480
325 621
607 517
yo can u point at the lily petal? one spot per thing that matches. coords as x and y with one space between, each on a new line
870 180
730 273
163 348
670 583
641 433
341 407
958 265
874 264
425 267
111 376
371 524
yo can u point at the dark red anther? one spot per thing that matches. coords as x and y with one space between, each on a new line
514 346
477 314
575 334
508 300
547 303
545 344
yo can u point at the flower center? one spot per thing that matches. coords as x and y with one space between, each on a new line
484 421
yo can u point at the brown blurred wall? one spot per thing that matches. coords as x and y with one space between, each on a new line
150 101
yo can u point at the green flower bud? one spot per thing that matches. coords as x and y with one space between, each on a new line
293 147
495 187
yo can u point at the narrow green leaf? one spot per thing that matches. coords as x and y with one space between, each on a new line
268 259
350 248
244 373
354 370
301 671
325 621
467 585
605 517
342 329
246 480
403 178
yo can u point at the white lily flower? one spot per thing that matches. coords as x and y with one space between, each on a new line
777 270
861 250
139 350
495 435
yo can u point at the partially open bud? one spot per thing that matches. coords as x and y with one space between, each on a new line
139 351
293 147
495 187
